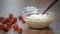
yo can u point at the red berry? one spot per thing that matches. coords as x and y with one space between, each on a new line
15 27
21 18
1 18
2 26
20 30
12 21
11 16
9 24
8 20
15 19
4 21
6 28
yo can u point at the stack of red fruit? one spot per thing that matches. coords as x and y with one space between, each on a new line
21 18
6 23
16 28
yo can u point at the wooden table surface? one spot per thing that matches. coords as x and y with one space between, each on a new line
54 28
44 31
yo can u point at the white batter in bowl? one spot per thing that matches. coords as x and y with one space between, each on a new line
36 20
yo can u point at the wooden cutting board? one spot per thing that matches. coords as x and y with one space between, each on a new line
34 31
44 31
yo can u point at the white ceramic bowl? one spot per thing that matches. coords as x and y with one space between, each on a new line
37 23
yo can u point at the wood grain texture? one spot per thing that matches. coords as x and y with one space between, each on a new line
34 31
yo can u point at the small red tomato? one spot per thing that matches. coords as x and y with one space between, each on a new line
15 19
4 21
20 17
8 20
20 30
9 24
2 26
12 21
15 27
6 28
11 16
1 18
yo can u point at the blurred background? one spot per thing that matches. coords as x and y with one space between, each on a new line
16 7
